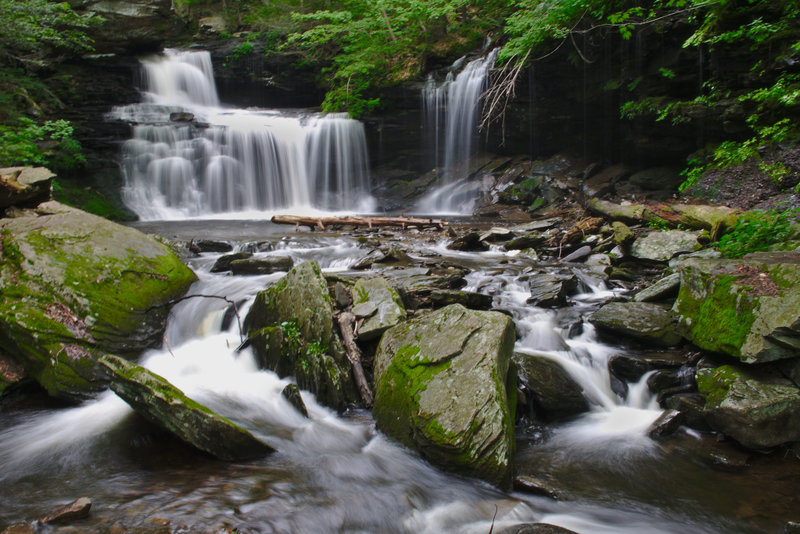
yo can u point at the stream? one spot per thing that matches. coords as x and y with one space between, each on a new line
337 473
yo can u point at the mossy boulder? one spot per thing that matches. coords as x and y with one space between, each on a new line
74 286
756 407
444 386
648 323
290 328
160 402
379 305
747 308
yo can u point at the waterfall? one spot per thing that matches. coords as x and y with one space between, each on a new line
189 157
451 111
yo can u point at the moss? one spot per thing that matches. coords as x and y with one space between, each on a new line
714 384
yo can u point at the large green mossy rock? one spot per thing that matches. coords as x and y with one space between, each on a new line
379 305
756 407
74 286
290 328
160 402
445 387
747 308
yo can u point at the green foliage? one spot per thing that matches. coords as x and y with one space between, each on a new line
759 230
51 143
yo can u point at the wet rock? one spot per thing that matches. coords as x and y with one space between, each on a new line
642 321
223 263
691 405
469 242
11 373
439 298
385 304
539 225
165 405
578 254
534 486
496 234
664 288
537 528
662 246
24 186
666 424
290 327
670 381
292 394
599 264
531 240
183 116
632 366
342 295
551 289
265 265
747 308
374 256
77 509
444 387
207 245
73 286
21 527
754 407
555 393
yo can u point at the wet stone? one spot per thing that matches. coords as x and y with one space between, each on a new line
534 486
292 394
469 242
665 288
666 424
207 245
550 290
256 266
223 263
77 509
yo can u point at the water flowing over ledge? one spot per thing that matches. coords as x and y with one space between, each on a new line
189 157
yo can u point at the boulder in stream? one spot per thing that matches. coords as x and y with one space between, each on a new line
747 308
165 405
555 393
551 289
290 328
754 406
445 387
662 246
645 322
74 286
264 265
380 305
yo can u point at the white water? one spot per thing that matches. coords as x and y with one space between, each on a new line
330 474
451 110
238 163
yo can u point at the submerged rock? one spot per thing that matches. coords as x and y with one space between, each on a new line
165 405
642 321
384 302
747 308
444 386
555 393
756 408
77 509
73 286
290 328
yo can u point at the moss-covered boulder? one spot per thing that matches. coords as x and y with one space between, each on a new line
160 402
379 305
74 286
445 387
290 328
648 323
747 308
755 407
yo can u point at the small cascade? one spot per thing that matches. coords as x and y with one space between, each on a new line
451 111
190 158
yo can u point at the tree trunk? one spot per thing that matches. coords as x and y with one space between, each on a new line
346 323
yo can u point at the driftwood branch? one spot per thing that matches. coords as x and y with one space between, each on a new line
323 222
346 322
187 297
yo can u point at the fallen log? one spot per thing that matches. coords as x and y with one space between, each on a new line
346 322
323 222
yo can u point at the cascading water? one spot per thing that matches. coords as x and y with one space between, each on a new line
189 157
451 110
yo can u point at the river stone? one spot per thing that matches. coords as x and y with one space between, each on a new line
756 408
469 242
550 289
265 265
444 386
632 366
439 298
290 328
160 402
24 186
73 286
662 246
623 235
537 528
387 304
578 254
223 263
664 288
77 509
645 322
292 395
555 393
21 527
748 308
